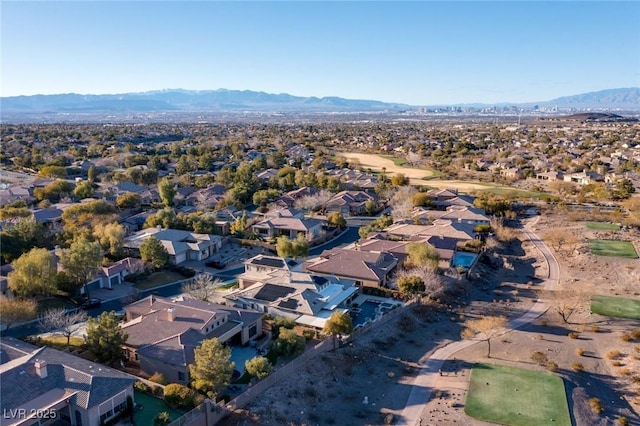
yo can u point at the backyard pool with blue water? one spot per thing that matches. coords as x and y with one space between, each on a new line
463 259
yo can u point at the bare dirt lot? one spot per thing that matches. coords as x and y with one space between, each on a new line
368 381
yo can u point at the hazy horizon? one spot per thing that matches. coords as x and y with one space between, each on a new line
416 53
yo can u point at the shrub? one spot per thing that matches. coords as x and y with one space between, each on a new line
626 372
161 419
617 363
595 328
158 378
577 366
539 358
573 335
580 351
178 395
308 334
626 337
259 367
622 421
635 334
552 366
142 387
596 405
613 354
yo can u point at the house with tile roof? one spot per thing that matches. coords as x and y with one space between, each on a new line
290 226
460 214
181 245
365 268
306 298
73 390
349 202
164 333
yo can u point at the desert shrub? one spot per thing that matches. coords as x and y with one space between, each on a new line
178 395
617 363
635 379
552 366
577 366
626 372
622 421
543 322
158 378
613 354
539 358
573 335
595 328
626 337
635 334
580 351
596 405
407 323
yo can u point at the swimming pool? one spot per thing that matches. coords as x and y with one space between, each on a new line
366 311
463 259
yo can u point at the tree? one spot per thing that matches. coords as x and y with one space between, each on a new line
202 288
162 419
568 302
489 327
83 190
428 276
288 343
21 237
61 322
17 310
212 368
336 219
82 260
399 179
292 248
104 338
167 191
411 285
111 237
92 173
402 203
423 254
33 274
338 323
128 200
239 225
563 240
153 252
259 367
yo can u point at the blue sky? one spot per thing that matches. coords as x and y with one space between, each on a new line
419 53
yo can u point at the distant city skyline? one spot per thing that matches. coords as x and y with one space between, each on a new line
417 53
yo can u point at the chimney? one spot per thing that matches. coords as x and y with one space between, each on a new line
41 368
171 312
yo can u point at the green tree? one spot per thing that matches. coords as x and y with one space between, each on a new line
239 225
411 285
288 248
17 310
423 254
162 419
259 367
167 191
212 368
21 237
83 190
55 172
104 338
128 200
336 219
153 252
92 173
399 179
338 323
33 274
82 260
111 237
288 343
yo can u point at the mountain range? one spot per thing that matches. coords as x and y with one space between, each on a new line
223 100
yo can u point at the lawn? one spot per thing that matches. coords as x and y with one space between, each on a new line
151 407
613 248
60 342
157 279
619 307
515 396
51 303
603 226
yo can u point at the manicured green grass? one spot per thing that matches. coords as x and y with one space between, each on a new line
157 279
603 226
151 408
613 248
228 286
515 396
60 341
397 161
619 307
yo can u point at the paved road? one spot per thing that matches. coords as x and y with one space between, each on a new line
424 383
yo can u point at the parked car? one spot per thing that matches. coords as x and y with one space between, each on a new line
90 304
